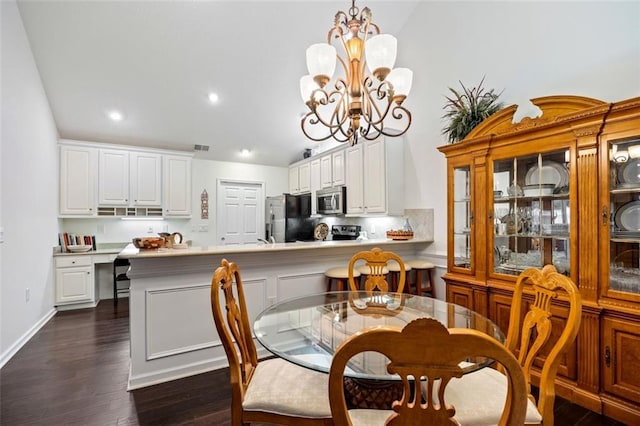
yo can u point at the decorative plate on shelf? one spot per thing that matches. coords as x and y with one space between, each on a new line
321 231
630 173
550 172
628 216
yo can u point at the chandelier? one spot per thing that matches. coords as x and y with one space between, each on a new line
355 104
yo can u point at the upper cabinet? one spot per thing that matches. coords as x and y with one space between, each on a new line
332 169
113 177
77 180
375 177
562 189
108 180
129 178
145 175
314 181
300 178
177 185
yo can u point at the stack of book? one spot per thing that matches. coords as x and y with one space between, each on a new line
65 240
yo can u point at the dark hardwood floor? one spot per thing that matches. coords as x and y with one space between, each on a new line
74 372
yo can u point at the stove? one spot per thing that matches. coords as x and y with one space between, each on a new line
345 232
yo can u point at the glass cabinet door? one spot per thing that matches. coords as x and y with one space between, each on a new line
624 199
462 217
531 213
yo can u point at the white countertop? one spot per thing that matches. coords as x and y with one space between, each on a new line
131 252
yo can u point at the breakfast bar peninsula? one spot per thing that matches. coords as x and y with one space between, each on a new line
172 334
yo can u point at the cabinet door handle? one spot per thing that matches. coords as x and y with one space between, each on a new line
605 215
88 273
607 356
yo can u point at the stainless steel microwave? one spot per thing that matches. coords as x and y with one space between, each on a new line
332 200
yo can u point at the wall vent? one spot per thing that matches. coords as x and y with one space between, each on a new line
201 147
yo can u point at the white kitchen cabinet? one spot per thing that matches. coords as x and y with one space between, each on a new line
332 169
299 178
74 280
294 184
326 175
314 173
177 185
77 180
304 177
338 168
129 178
145 171
113 177
355 179
374 177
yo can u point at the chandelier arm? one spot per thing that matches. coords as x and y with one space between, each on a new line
309 118
397 113
374 110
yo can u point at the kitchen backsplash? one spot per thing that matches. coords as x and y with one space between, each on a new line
203 232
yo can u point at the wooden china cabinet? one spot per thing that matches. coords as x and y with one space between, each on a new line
561 189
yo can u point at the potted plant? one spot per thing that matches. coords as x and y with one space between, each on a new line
468 108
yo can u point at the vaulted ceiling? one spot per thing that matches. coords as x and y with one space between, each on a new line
157 61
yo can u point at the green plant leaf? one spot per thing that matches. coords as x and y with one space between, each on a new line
468 108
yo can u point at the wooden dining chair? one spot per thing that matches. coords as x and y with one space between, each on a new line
426 356
376 270
270 391
528 338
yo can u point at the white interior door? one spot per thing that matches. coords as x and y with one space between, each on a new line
240 206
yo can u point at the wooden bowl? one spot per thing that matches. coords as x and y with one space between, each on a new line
148 243
399 235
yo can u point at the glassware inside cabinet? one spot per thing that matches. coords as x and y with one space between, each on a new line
624 197
531 212
462 216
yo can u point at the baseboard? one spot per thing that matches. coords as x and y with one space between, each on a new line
157 377
9 353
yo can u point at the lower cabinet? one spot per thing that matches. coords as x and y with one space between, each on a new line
619 367
74 280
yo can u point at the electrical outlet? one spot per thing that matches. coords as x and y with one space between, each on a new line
101 229
204 228
150 230
1 234
27 294
372 229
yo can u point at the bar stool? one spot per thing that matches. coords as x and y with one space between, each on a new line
420 267
341 276
394 274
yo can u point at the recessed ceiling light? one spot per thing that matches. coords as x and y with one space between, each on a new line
245 152
115 115
213 98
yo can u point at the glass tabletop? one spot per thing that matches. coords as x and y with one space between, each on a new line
307 330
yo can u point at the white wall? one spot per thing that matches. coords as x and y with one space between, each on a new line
529 49
29 189
205 175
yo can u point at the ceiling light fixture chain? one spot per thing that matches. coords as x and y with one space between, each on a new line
359 105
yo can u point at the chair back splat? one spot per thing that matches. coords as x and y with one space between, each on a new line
376 277
426 356
528 337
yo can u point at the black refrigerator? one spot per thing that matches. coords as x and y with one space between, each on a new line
287 218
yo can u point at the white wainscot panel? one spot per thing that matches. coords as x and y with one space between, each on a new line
164 336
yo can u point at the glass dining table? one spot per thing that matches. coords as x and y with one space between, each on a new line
307 330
